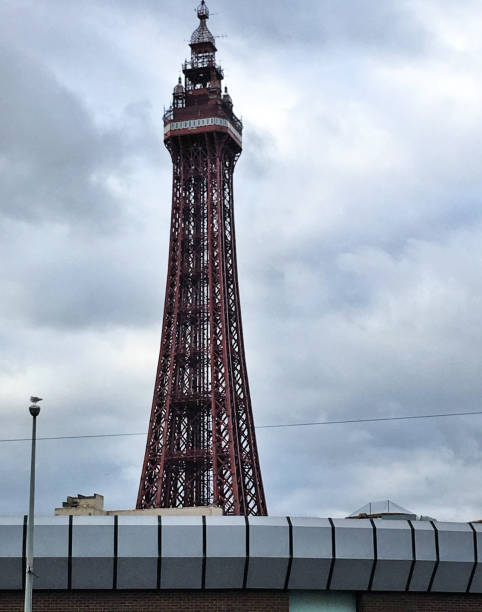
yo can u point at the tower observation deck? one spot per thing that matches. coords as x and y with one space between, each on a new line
201 446
199 106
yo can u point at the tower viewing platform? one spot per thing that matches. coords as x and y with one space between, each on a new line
199 105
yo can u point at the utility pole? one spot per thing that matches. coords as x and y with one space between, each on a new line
34 410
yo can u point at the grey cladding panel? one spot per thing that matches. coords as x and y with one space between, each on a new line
456 547
11 542
51 545
394 540
225 573
181 573
182 552
138 536
93 573
225 552
455 542
268 536
312 552
139 573
351 574
268 552
226 536
394 553
92 552
93 536
425 554
51 573
11 537
354 539
51 537
354 554
10 574
138 549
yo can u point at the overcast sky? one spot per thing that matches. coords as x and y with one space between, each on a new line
359 227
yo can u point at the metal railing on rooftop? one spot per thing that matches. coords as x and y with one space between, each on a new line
203 62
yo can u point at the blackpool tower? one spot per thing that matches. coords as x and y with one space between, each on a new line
201 445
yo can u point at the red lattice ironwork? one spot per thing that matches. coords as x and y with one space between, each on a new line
201 446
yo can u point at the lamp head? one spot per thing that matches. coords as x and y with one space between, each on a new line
34 410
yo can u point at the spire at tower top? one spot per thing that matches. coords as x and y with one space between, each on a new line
203 11
202 33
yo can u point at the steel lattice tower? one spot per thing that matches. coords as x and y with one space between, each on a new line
201 446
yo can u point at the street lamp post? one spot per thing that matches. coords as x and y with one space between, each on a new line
34 410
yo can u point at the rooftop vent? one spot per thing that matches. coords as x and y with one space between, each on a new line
386 509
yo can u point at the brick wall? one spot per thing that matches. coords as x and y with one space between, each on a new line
224 601
165 601
418 602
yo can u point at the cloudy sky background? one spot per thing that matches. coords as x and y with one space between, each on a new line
359 225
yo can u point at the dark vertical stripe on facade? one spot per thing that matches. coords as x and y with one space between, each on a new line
333 554
414 556
69 563
24 550
116 550
290 560
246 563
375 554
437 556
472 573
159 551
203 577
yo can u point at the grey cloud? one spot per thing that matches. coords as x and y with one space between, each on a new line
358 226
55 162
58 169
388 25
66 282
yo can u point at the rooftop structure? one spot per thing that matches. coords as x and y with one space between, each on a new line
386 509
93 505
257 553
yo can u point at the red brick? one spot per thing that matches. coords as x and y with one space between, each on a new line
152 601
418 602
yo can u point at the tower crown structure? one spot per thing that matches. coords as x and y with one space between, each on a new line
202 34
201 446
203 11
199 104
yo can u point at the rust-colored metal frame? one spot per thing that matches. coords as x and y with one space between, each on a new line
201 447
